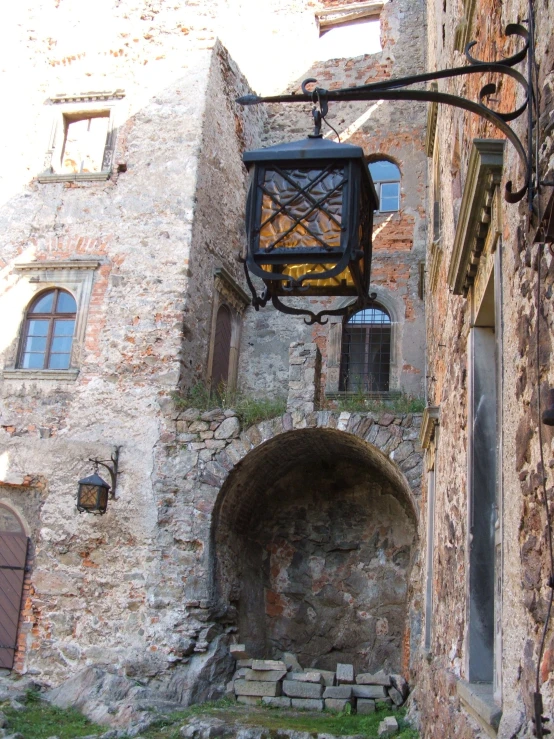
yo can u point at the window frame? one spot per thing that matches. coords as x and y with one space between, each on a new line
366 375
67 109
74 276
229 294
386 181
51 317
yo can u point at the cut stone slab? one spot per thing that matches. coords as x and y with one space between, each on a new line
388 727
292 663
396 696
338 692
369 691
281 702
238 651
400 684
337 704
244 663
268 664
269 676
308 704
295 689
248 700
307 677
365 706
240 673
345 674
328 677
259 689
230 689
379 678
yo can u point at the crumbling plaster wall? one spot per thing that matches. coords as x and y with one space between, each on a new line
94 595
397 131
525 566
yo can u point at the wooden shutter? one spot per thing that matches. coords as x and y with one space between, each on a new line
222 347
13 556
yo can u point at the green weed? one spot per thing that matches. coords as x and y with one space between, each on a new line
41 720
249 410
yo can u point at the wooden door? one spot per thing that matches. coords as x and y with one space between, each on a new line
13 556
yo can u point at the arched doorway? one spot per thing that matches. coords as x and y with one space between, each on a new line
313 536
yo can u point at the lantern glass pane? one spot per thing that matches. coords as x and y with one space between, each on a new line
302 208
343 279
88 496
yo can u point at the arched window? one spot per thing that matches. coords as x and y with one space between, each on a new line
222 347
48 332
366 351
386 178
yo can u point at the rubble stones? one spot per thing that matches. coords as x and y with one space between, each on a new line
345 674
279 702
294 689
268 664
229 429
396 697
380 678
244 663
308 704
307 677
255 688
238 651
400 684
248 700
291 662
338 691
328 677
337 704
388 727
369 691
272 676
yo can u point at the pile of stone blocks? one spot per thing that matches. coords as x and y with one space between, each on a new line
284 684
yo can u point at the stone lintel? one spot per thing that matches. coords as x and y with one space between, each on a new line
483 175
48 264
87 97
428 422
75 177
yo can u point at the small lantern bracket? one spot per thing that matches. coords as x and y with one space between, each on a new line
112 465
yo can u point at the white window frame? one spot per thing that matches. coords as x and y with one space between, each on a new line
79 107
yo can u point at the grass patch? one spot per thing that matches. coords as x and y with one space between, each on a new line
274 720
249 410
41 720
362 403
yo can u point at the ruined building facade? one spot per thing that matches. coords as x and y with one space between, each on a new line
343 536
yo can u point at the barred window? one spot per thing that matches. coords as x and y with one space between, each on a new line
366 351
48 334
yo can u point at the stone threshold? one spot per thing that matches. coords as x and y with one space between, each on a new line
478 700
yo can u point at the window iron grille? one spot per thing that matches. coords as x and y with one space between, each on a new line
366 352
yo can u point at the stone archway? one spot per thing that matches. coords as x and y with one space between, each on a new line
313 538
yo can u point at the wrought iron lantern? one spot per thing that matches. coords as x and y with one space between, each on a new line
93 491
309 221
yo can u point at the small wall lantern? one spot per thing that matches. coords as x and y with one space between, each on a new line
309 221
93 492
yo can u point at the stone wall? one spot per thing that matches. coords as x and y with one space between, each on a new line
522 570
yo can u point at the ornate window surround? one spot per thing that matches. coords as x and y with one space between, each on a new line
227 292
75 105
74 275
